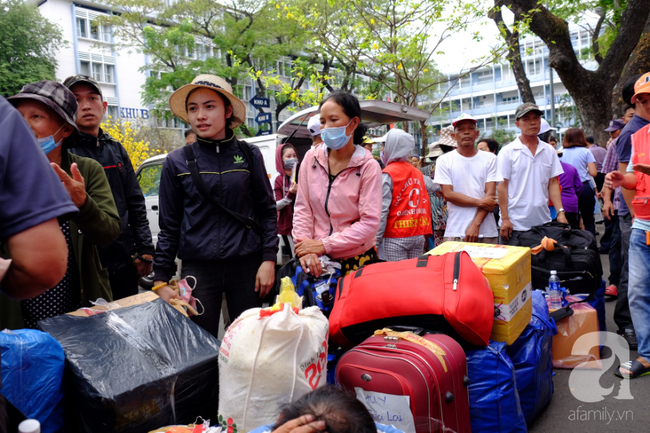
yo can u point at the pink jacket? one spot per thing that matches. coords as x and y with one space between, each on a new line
345 215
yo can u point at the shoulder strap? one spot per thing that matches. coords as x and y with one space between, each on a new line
190 159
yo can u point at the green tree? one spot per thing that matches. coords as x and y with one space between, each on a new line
621 50
29 43
393 43
248 38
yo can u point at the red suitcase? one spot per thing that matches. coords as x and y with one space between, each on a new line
430 369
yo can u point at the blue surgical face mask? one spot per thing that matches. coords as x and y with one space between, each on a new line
48 144
335 138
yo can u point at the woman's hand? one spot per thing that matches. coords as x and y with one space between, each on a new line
303 424
310 263
265 278
165 292
310 246
75 184
294 188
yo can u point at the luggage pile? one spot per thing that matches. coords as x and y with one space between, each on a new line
459 339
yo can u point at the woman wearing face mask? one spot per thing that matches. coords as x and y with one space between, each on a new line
338 206
50 109
285 189
217 211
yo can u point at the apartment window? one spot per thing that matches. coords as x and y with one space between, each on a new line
109 73
89 27
200 51
112 111
484 76
100 67
95 30
584 38
97 71
574 39
190 52
82 27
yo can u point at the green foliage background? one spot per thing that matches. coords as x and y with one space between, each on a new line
28 45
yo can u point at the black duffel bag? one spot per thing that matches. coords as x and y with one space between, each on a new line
575 258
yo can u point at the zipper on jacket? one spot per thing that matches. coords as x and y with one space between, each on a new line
329 189
219 198
327 199
456 270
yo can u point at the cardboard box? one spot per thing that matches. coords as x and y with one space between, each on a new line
584 321
507 269
140 298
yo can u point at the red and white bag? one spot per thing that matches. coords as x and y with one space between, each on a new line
268 359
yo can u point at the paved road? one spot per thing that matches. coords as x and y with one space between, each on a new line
567 414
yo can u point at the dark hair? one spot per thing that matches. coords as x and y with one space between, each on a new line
226 102
350 106
286 146
340 409
627 107
574 137
188 132
628 89
545 136
552 138
493 145
589 139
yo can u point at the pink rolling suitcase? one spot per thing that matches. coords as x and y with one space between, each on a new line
431 369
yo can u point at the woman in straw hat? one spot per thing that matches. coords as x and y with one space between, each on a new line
217 211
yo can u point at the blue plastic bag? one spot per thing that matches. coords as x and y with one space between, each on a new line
532 358
493 400
32 376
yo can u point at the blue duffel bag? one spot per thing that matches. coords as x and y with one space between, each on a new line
493 400
32 376
532 358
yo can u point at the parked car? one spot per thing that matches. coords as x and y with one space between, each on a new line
294 130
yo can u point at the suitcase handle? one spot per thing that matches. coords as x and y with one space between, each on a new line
413 329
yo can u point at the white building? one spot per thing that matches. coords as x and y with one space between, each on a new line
90 52
491 94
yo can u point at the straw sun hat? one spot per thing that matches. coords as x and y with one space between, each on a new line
178 100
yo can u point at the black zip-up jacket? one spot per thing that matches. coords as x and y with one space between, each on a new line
135 234
195 229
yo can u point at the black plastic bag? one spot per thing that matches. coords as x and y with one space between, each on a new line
136 369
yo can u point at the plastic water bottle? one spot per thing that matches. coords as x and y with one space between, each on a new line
29 426
554 292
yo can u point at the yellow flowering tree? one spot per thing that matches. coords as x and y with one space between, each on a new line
124 132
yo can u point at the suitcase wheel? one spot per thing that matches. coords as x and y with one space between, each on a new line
465 381
449 397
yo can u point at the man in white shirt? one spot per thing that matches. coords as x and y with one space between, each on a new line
468 181
528 170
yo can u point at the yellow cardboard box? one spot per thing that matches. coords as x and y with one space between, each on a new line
508 271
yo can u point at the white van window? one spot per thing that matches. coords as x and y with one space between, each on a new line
149 179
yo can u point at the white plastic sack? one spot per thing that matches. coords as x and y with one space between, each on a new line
268 362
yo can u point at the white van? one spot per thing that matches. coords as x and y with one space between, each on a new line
293 130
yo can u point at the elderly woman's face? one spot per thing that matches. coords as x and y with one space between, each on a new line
43 120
